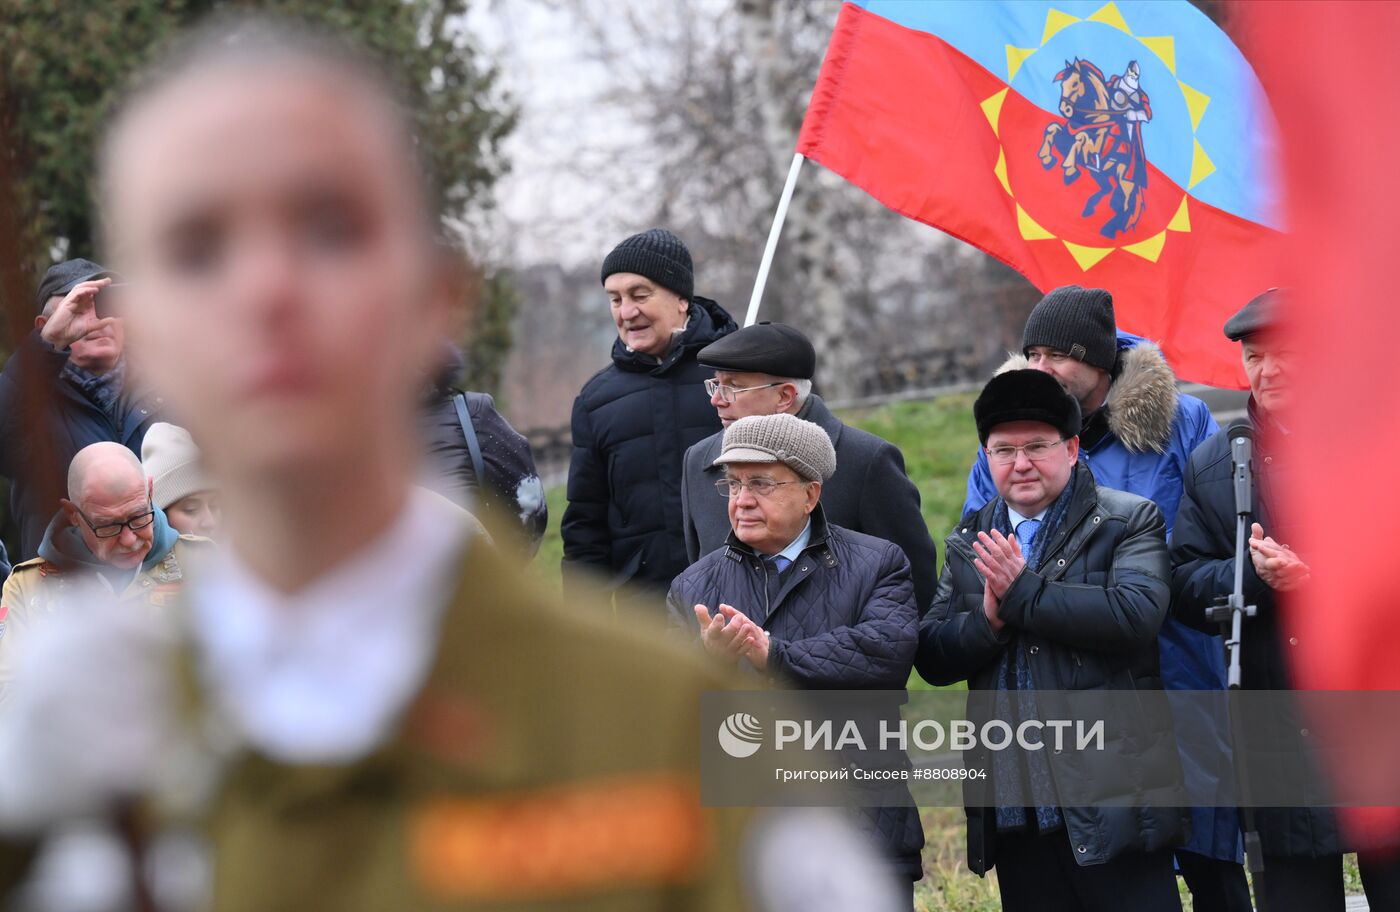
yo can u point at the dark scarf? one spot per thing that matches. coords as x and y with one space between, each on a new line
103 389
1014 675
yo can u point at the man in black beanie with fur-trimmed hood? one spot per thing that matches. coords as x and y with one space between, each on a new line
1057 584
633 420
1138 436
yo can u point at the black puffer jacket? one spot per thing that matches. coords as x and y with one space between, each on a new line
843 616
1203 560
632 424
1089 621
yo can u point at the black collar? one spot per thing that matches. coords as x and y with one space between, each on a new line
738 550
1095 428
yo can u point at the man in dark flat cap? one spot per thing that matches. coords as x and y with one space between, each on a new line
767 369
63 388
1302 846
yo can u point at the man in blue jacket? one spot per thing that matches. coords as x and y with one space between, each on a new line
63 388
1137 436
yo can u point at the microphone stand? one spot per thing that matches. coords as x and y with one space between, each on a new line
1231 615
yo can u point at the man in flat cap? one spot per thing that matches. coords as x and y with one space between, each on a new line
1138 435
767 369
64 387
633 421
1302 846
1058 584
796 597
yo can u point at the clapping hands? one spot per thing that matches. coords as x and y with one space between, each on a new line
1000 561
1278 565
729 635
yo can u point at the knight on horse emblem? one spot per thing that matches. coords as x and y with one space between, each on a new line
1102 134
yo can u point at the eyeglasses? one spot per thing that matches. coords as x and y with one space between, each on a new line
727 393
112 530
761 487
1035 451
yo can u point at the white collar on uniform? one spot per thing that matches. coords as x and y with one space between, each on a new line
320 676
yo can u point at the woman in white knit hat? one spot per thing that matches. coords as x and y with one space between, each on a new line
182 490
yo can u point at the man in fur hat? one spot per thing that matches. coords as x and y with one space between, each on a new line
1138 436
1057 584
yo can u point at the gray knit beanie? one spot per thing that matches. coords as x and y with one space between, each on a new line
800 445
171 459
657 254
1077 321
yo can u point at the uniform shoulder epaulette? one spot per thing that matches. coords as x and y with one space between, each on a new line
45 567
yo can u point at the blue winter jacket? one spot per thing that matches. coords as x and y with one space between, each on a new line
1151 432
45 419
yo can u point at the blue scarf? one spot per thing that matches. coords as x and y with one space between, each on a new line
1013 765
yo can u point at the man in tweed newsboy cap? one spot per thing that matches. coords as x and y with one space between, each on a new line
800 445
799 600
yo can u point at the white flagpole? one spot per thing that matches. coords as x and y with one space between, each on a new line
772 246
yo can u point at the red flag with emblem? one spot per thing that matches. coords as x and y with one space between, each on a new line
1124 147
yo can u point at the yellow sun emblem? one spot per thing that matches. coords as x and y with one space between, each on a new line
1164 47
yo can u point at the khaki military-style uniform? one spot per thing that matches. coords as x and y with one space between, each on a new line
550 761
37 587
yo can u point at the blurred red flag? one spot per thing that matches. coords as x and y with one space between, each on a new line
1328 68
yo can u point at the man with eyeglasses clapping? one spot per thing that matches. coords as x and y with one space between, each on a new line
800 600
108 538
1058 584
767 369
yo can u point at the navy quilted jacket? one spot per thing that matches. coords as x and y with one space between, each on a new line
843 616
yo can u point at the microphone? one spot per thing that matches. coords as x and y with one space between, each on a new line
1241 437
